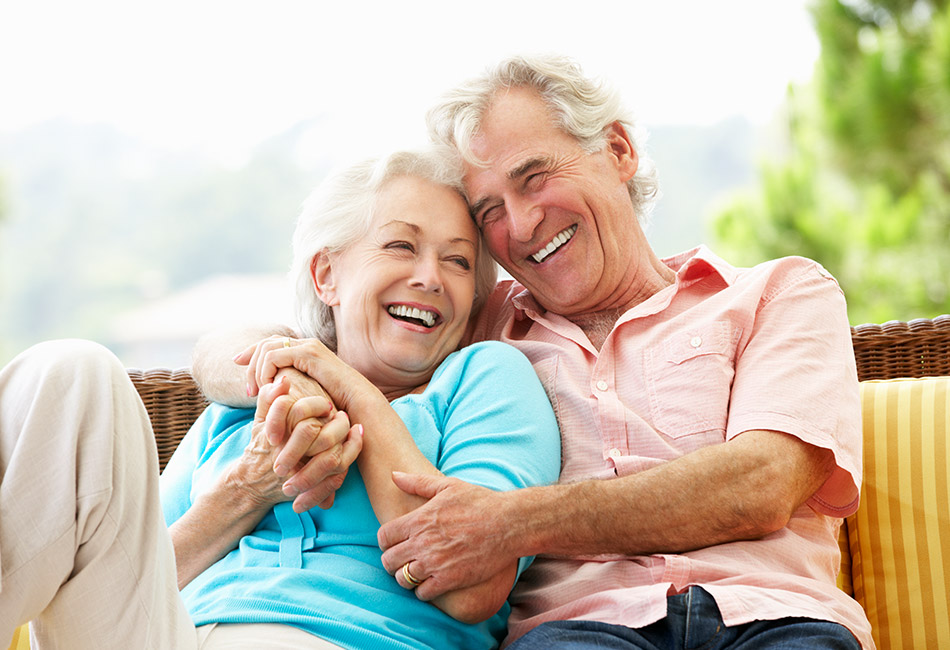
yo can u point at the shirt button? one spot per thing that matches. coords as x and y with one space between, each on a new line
602 385
614 453
696 341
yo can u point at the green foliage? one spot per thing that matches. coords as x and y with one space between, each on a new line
866 191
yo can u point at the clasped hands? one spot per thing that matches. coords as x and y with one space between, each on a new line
301 446
298 426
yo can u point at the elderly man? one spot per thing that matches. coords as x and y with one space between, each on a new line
709 414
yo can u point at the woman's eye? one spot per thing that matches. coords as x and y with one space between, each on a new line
400 245
462 262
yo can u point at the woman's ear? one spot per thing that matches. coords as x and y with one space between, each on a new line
321 271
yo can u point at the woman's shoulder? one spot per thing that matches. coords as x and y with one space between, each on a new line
483 367
488 354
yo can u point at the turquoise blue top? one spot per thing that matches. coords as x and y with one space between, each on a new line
484 418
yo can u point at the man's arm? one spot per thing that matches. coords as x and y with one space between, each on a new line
743 489
213 367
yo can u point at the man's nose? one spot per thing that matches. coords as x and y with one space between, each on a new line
523 221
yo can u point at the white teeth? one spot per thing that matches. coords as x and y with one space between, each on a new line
559 239
405 311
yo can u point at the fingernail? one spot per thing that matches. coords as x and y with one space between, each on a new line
236 357
248 390
280 470
290 490
359 430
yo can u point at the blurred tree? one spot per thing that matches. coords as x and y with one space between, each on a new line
866 189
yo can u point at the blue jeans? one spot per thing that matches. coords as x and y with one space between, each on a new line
692 621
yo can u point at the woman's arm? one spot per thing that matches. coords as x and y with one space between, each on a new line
388 447
247 490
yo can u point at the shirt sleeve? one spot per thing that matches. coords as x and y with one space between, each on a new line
499 429
797 375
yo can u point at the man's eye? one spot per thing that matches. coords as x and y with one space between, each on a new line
534 180
490 215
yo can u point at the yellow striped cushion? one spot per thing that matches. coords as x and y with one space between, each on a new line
900 536
21 638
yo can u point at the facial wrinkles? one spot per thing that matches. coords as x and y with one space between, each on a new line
391 267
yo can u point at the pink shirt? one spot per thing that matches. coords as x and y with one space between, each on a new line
721 351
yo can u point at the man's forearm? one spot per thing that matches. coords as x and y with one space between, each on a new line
741 490
219 378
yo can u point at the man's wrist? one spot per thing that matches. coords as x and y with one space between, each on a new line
523 532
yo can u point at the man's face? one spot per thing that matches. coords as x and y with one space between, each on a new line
558 219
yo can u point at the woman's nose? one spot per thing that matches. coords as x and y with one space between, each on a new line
427 275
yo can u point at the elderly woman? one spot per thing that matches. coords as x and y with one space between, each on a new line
388 266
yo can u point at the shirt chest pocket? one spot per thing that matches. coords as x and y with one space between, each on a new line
689 379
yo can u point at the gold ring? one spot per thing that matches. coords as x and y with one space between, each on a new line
411 579
286 342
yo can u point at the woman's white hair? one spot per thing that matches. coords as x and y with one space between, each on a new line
339 213
583 107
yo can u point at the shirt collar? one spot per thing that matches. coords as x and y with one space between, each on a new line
698 263
689 266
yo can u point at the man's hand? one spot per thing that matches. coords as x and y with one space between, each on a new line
456 540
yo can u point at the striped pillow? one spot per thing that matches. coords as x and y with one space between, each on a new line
900 536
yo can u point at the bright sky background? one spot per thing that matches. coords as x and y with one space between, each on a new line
220 76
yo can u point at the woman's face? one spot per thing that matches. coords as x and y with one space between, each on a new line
403 294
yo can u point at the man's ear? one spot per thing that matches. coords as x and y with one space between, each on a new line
621 148
321 271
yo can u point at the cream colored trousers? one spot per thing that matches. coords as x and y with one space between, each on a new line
84 552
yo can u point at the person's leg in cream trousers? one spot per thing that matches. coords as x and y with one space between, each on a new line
84 552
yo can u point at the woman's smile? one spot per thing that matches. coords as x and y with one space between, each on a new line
401 296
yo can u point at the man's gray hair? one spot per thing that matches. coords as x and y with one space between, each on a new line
582 106
340 211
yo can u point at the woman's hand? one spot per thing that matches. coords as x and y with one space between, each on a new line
316 444
338 381
267 471
238 499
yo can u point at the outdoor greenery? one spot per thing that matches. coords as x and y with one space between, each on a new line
865 189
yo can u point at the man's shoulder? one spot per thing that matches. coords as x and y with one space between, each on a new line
784 272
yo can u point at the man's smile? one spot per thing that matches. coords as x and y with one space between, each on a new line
559 240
